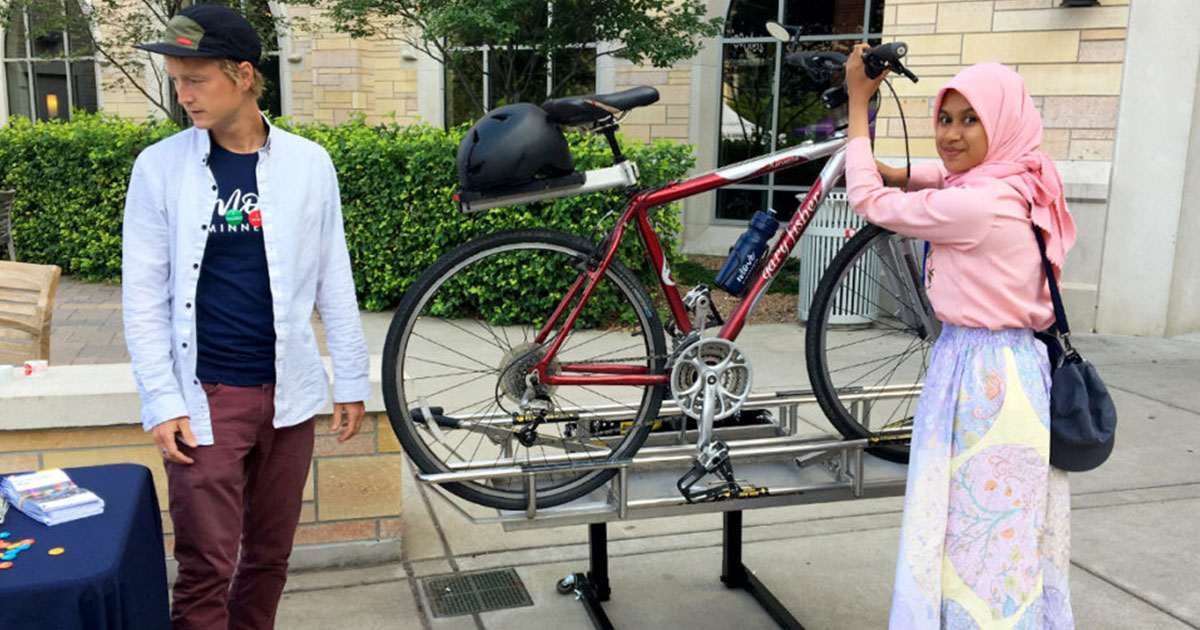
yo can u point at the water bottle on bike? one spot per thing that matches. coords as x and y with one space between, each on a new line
743 260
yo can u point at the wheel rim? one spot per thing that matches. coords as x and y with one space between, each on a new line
460 353
876 360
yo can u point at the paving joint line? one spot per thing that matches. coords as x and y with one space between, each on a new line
454 568
615 554
415 591
333 587
1123 589
1157 400
823 519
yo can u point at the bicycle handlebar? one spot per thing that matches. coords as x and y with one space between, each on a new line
826 66
887 57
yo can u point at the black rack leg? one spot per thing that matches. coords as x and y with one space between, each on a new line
593 587
735 575
598 556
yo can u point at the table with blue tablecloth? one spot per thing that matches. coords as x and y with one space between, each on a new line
112 573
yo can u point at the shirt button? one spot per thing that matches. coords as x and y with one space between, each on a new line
204 227
195 265
188 305
214 186
185 344
195 382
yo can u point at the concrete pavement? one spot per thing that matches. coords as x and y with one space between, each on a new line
1135 555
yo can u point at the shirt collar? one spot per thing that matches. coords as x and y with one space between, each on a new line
206 142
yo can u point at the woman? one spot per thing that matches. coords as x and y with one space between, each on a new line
984 539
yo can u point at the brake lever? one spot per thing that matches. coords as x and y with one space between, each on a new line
899 68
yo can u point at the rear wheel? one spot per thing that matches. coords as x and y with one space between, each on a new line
461 346
869 333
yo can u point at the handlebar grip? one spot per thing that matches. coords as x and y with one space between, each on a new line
893 51
880 57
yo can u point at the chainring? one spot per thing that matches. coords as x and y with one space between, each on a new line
719 357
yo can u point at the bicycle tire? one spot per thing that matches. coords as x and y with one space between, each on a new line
885 321
487 257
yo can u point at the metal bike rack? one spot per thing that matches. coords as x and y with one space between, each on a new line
793 469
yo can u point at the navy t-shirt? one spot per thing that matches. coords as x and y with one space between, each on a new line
235 332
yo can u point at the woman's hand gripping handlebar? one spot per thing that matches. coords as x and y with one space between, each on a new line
865 70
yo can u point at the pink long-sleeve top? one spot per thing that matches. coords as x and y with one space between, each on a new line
983 268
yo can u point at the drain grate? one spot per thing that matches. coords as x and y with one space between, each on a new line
467 593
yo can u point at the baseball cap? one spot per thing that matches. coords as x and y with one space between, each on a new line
208 30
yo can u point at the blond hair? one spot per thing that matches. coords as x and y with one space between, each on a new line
232 69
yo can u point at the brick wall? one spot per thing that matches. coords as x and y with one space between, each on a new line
352 494
1070 58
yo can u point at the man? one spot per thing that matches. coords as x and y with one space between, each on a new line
232 234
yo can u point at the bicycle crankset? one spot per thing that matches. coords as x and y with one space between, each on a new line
711 367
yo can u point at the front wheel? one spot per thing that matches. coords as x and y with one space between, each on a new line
869 332
461 346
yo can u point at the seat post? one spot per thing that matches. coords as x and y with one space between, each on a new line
610 133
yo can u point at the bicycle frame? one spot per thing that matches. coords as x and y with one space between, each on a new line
636 211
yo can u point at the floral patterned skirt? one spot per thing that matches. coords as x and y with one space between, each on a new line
984 542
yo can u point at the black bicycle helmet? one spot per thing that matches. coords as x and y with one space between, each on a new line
510 146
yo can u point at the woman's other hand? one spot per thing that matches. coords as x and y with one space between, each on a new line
892 176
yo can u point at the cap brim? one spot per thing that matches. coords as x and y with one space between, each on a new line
1077 457
164 48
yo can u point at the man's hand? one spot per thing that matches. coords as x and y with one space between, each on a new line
347 419
165 437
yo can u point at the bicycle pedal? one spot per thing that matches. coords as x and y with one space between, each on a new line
689 479
717 462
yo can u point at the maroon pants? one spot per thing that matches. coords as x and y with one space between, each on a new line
245 488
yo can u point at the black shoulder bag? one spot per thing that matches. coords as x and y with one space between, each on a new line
1083 420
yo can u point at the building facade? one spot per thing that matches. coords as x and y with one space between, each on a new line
1117 83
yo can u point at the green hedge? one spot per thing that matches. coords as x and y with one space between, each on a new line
395 185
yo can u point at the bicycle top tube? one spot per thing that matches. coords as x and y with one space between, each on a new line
746 169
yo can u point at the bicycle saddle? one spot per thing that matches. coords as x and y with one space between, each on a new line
578 110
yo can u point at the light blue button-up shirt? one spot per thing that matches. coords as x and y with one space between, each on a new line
167 211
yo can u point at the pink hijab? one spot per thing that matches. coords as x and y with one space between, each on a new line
1014 132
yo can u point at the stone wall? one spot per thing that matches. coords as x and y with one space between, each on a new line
333 77
352 495
120 97
1070 58
670 116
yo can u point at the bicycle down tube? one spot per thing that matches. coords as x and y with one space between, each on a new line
637 210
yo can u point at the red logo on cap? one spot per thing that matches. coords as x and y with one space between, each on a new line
183 40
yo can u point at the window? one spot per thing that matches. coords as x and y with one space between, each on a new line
49 69
765 105
480 77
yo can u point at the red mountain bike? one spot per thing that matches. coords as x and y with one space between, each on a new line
540 349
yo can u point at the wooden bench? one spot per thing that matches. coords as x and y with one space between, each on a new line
26 306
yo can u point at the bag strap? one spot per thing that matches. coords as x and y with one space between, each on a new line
1060 314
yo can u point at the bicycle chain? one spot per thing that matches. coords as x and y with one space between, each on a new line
681 344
